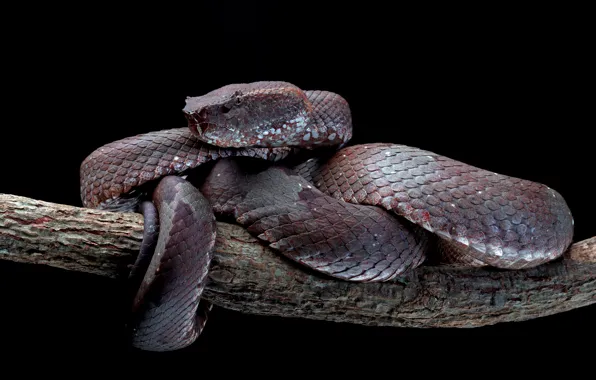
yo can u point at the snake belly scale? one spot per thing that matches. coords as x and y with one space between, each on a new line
356 213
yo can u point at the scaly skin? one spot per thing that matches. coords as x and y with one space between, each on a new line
332 219
113 173
121 175
166 304
497 220
269 114
346 241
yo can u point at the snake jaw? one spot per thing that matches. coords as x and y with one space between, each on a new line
198 122
196 129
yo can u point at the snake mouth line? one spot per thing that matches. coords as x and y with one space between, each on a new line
201 128
198 121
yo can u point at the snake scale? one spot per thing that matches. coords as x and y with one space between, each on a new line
279 163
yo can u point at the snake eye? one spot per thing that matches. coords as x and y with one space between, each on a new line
224 108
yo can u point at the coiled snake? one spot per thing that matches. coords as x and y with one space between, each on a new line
357 213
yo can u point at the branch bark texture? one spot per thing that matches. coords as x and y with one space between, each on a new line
248 277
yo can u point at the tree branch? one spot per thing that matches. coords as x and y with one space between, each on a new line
248 277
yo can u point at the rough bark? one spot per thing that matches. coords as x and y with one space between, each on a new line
248 277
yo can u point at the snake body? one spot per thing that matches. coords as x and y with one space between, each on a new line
359 213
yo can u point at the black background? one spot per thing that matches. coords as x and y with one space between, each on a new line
505 89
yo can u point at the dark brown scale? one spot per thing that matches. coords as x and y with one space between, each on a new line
452 253
502 221
119 168
166 305
346 241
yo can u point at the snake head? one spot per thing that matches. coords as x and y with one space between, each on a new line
253 114
213 110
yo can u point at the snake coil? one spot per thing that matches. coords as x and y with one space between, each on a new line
357 213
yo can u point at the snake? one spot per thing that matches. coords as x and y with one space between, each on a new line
278 161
